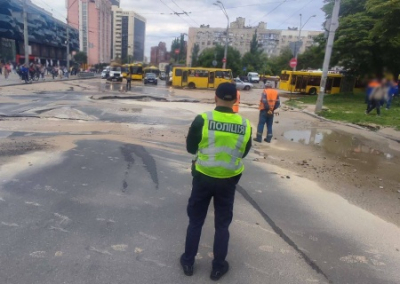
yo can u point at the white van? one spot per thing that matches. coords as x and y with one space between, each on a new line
253 77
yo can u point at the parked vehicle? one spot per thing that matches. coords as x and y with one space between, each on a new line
240 85
253 77
105 74
163 76
115 73
150 78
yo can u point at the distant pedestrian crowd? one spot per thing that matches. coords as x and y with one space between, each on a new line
380 93
35 71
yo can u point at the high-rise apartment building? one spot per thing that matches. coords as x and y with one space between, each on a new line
159 54
93 20
128 35
240 36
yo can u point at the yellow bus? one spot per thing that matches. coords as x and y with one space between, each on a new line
151 69
136 71
125 69
199 77
309 82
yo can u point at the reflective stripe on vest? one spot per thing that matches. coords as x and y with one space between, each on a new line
211 151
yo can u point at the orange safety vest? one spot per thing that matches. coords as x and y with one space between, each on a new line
236 104
271 97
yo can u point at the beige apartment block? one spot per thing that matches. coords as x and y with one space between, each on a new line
270 40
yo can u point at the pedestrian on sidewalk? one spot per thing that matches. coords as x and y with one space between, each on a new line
220 139
268 104
378 94
392 91
7 70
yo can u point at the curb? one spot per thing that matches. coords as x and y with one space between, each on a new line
47 81
141 96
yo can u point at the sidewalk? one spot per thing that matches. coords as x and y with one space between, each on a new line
14 79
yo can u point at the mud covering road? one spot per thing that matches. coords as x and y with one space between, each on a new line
94 188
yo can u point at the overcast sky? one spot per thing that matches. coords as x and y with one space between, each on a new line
162 26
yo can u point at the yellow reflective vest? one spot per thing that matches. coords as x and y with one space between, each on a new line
223 143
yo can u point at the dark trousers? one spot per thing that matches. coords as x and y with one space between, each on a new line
375 104
265 119
128 85
223 193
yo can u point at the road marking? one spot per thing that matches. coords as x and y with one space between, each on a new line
58 229
100 251
64 219
138 250
147 236
266 248
9 224
58 253
32 203
38 254
256 269
1 199
354 259
119 247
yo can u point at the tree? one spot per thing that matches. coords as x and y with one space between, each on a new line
179 44
195 54
313 57
281 62
368 37
81 57
255 59
208 55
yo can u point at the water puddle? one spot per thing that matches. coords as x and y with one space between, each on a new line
354 149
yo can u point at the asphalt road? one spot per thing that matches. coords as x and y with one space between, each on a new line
113 212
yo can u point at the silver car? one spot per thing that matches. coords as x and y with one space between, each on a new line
240 85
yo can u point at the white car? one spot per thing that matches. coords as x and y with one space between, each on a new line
240 85
253 77
105 74
115 74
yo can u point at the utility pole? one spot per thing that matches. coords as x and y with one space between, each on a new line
299 39
328 52
222 7
26 37
67 48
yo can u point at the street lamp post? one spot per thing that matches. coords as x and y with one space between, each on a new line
300 29
222 7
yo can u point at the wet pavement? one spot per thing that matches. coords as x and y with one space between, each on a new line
110 212
354 150
115 212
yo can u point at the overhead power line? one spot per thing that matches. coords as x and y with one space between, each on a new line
297 11
280 4
184 12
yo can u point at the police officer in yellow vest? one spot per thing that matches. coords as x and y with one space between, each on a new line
220 139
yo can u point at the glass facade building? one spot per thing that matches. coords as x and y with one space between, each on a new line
139 39
47 35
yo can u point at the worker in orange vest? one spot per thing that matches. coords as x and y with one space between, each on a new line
235 107
268 104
